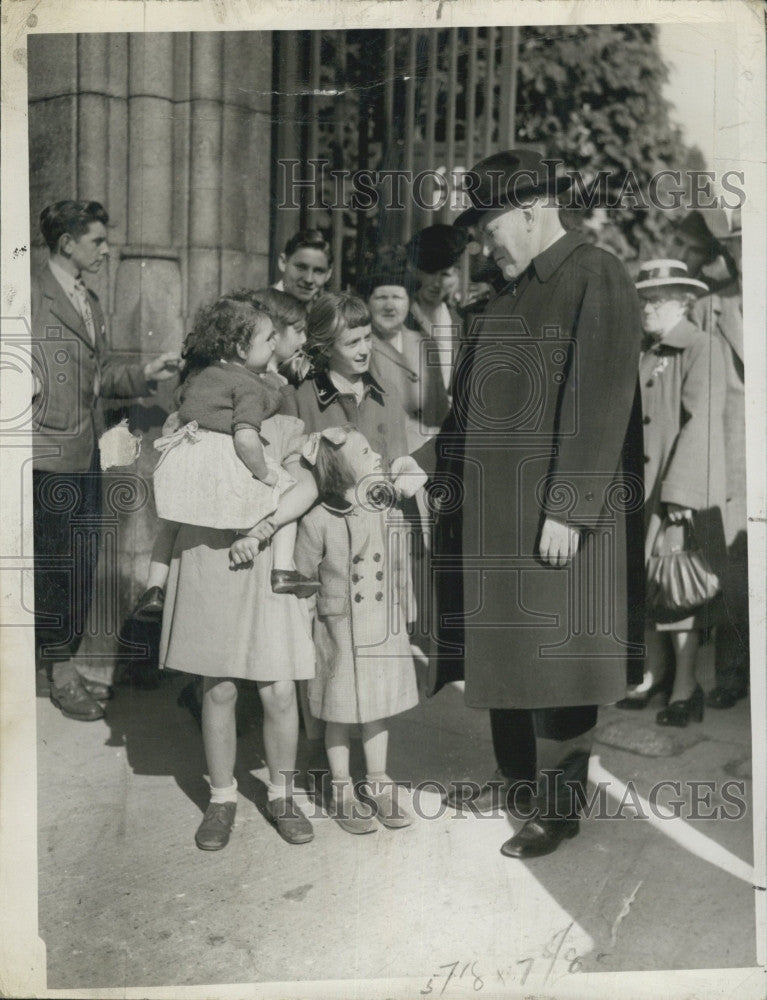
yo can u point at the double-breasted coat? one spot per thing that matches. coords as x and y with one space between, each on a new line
365 669
75 373
682 379
545 421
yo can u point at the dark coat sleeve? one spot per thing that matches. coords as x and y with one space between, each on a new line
601 383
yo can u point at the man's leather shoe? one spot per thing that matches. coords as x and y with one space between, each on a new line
213 833
538 837
291 823
498 794
97 690
288 581
721 697
150 605
75 703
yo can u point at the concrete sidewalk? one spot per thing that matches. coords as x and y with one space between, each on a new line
126 899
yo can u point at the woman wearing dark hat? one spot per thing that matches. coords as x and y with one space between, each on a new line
434 254
681 377
405 357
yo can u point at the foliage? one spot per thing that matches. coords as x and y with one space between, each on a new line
590 95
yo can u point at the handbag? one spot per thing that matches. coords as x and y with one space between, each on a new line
679 578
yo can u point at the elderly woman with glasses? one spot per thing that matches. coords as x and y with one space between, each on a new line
682 381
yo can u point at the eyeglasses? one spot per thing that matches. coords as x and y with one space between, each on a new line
655 304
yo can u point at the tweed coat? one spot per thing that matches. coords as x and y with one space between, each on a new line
75 374
416 320
545 422
365 669
380 416
416 373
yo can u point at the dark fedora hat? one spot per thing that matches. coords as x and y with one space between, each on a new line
508 180
436 247
695 230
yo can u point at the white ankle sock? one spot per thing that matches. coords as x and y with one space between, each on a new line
218 795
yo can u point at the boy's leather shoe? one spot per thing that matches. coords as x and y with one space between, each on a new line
213 833
75 703
291 823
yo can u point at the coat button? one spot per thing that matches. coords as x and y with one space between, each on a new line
379 596
376 557
379 575
589 495
357 559
646 420
650 383
356 578
358 598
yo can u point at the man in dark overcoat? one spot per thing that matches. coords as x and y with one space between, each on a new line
538 555
706 237
74 370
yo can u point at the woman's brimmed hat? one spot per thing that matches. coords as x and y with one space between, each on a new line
508 180
665 273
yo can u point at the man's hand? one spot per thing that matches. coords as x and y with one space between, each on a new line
677 514
163 367
559 542
408 476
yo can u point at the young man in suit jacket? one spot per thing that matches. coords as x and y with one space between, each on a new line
73 371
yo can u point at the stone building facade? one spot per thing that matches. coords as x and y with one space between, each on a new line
172 132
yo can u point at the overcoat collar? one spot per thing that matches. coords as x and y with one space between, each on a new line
549 261
327 392
545 264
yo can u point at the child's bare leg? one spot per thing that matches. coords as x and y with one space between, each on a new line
337 746
219 737
280 734
388 799
285 578
219 729
350 814
283 544
281 745
162 551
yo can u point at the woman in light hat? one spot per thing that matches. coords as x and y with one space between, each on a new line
681 376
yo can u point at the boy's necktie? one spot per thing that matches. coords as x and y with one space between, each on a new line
87 314
85 309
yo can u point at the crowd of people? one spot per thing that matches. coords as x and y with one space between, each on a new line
349 473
